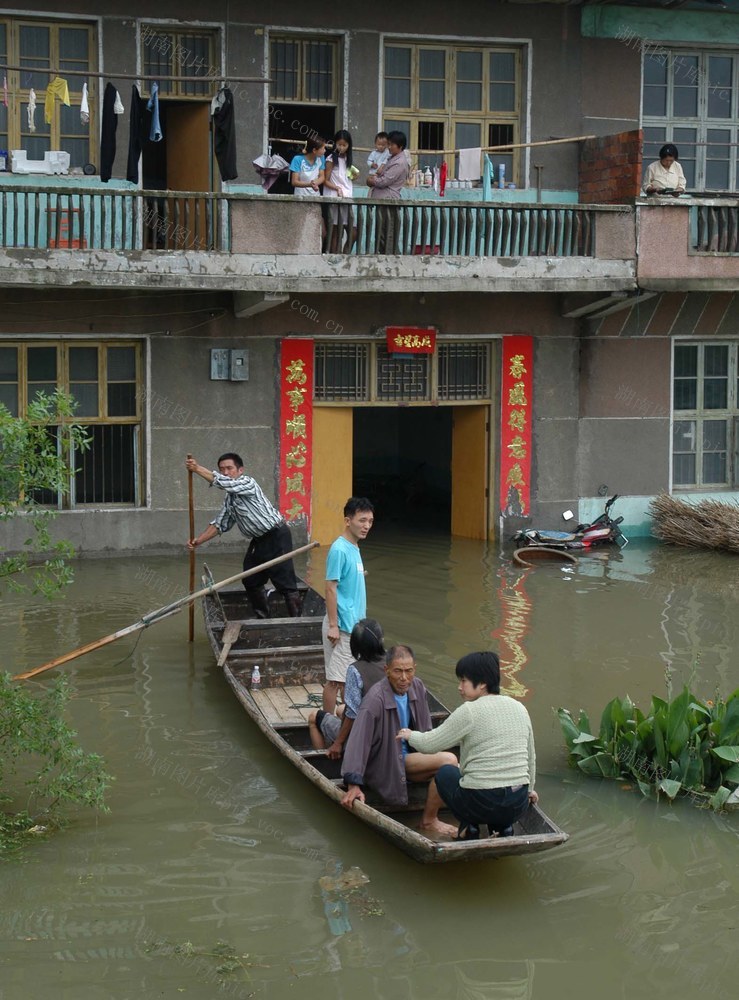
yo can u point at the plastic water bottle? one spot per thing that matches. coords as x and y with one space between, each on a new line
256 678
501 175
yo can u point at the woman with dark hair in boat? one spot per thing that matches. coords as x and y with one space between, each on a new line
494 781
366 644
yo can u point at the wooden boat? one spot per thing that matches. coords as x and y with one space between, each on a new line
289 654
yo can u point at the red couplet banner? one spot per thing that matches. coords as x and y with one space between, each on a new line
515 425
411 339
296 428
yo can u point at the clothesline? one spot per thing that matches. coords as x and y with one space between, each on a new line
136 76
443 152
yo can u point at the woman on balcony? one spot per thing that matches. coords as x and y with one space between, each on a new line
387 185
307 169
665 176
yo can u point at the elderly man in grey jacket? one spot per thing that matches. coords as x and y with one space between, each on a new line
375 757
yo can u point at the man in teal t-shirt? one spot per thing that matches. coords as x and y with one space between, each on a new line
346 597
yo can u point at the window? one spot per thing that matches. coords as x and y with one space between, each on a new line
43 49
168 52
104 379
705 402
692 99
303 70
362 372
446 97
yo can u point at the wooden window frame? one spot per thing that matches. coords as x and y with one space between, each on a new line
18 134
63 381
302 41
700 414
178 57
450 115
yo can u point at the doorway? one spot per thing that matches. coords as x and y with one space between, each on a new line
181 161
291 125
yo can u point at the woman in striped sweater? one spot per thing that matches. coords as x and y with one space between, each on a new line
494 782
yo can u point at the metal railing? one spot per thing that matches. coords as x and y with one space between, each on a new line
128 220
84 219
716 228
368 227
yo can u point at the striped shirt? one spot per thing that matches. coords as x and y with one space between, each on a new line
245 506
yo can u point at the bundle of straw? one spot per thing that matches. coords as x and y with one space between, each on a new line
707 524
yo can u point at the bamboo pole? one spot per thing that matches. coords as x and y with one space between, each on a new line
191 506
155 616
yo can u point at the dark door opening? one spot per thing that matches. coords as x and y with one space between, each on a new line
296 123
402 462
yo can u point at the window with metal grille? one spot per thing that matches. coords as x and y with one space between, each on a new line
705 402
464 371
341 372
105 379
44 49
457 96
692 99
361 372
303 70
169 52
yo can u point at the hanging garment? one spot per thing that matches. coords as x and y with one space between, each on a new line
107 133
31 110
84 106
269 168
135 136
57 88
156 129
469 164
118 108
222 113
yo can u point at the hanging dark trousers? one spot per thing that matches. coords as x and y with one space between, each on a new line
293 603
259 602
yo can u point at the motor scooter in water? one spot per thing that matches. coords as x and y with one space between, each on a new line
604 530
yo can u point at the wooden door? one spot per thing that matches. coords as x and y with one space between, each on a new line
470 473
189 169
333 458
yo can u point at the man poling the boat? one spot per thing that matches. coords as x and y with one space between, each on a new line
246 506
374 757
494 781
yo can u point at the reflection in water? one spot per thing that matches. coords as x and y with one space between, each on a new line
212 836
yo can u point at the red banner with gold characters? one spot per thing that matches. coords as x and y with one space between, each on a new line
296 428
411 339
515 425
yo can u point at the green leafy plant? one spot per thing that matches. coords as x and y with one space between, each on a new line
42 768
679 746
35 453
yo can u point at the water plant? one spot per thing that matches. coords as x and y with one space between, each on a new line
678 746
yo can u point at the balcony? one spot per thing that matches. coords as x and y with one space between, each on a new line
64 234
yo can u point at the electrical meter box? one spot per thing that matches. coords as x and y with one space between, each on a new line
219 363
239 366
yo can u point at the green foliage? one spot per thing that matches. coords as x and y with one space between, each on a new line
41 763
34 457
679 746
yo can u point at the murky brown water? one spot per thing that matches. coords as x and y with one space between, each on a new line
211 837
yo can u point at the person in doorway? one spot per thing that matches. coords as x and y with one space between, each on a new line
386 186
665 176
246 506
374 757
338 183
307 169
366 644
494 781
346 596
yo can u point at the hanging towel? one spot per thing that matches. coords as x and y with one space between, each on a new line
469 164
222 113
107 133
57 88
31 110
156 129
135 136
118 108
84 106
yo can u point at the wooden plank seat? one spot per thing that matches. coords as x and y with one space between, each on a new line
286 706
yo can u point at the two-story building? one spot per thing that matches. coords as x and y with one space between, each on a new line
519 350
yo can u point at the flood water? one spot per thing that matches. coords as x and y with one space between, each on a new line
212 838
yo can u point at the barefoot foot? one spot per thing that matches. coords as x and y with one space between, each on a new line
438 829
